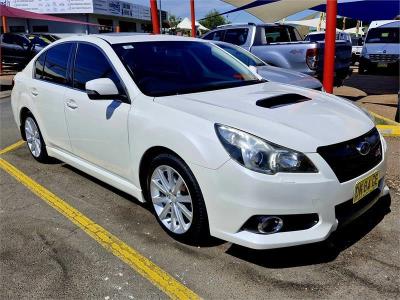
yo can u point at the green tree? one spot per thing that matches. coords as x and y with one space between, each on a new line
173 20
213 19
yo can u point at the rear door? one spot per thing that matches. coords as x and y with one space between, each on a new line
48 87
98 128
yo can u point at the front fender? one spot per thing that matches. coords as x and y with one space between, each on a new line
155 125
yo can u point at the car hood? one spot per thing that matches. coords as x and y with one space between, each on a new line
382 48
287 76
320 121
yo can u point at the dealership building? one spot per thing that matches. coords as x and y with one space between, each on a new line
112 15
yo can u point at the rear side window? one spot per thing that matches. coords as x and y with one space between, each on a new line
215 36
39 65
281 34
56 65
236 36
91 63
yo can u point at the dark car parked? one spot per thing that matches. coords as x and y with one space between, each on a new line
17 49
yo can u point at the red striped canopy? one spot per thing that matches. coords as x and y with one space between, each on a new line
11 12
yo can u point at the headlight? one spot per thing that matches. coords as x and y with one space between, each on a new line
261 156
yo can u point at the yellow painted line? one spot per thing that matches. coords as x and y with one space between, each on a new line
12 147
389 121
130 256
389 130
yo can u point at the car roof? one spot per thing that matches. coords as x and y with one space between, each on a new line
120 38
315 32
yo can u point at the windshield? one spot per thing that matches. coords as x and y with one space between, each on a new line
36 40
387 35
315 37
175 67
244 56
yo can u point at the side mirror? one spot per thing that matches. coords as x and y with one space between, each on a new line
103 89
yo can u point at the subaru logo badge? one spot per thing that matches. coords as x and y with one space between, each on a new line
363 148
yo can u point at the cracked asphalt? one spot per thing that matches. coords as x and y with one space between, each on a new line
45 256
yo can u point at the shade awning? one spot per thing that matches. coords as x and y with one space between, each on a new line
12 12
316 22
274 10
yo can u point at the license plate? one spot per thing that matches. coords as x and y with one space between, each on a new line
382 65
365 186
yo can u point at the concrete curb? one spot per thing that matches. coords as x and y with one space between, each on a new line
388 128
5 94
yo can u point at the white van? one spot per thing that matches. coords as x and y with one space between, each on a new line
382 46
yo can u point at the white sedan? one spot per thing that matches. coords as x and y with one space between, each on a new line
185 126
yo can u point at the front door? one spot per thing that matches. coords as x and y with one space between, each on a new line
98 128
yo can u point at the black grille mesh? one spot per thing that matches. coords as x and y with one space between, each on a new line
347 162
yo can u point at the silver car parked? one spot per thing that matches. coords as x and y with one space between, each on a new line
268 72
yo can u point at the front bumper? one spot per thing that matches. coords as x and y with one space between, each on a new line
371 64
234 194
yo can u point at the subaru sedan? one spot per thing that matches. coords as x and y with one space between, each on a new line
184 126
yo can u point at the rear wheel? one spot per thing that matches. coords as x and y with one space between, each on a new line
176 199
34 139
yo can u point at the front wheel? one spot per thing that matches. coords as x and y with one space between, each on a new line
361 68
176 199
34 139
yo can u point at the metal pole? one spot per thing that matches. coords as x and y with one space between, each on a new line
154 16
160 17
193 17
330 39
4 23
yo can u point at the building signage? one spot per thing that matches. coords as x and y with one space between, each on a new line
53 6
122 8
103 7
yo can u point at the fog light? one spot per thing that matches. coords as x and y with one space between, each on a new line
268 225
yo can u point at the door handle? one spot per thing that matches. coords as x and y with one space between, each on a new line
34 92
72 104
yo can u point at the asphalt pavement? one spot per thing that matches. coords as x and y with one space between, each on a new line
43 255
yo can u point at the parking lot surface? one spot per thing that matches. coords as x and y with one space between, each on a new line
44 255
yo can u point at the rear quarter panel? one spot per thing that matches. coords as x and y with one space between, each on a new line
286 55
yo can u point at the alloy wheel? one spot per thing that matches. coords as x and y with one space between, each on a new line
171 199
33 137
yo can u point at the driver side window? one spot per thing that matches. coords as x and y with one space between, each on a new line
91 63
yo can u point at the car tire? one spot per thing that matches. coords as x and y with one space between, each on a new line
34 139
361 68
181 201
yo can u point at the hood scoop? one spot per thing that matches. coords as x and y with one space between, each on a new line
281 100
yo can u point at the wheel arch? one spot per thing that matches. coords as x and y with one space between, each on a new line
145 161
24 112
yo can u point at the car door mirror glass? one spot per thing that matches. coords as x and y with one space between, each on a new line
103 89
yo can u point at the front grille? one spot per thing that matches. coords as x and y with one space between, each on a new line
386 58
347 162
348 211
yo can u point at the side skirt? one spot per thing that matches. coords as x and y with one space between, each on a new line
97 172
